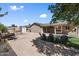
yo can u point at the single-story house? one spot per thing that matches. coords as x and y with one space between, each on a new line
56 28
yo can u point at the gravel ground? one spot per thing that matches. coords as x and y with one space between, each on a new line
6 50
51 49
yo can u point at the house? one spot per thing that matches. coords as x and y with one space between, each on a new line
56 28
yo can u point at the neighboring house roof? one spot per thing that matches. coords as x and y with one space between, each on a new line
45 25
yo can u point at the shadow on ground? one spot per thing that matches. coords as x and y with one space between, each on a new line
6 50
49 48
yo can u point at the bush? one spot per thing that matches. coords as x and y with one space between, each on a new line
43 37
50 38
61 39
3 28
64 39
57 39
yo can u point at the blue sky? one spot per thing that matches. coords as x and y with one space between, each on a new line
25 13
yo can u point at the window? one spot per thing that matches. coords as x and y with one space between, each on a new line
58 29
67 27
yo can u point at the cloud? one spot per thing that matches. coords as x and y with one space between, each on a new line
25 21
43 15
16 8
21 7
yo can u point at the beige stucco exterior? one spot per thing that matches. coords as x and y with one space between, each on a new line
56 29
36 29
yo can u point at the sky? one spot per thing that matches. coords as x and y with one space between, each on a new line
25 13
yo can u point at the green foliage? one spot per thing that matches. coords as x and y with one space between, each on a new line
43 37
2 28
74 40
1 15
50 38
65 11
55 39
64 39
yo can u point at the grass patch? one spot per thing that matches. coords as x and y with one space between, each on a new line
74 40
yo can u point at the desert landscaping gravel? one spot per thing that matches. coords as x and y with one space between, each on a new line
28 44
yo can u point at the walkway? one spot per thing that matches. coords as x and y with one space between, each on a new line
23 45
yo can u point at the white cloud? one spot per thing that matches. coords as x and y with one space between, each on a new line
16 8
25 21
43 15
21 6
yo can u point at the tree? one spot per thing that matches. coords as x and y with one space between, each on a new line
2 27
13 25
1 15
65 11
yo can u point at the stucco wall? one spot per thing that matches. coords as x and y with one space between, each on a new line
36 29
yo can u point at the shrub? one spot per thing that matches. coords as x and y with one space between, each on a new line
50 38
64 39
61 39
57 39
43 37
3 28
